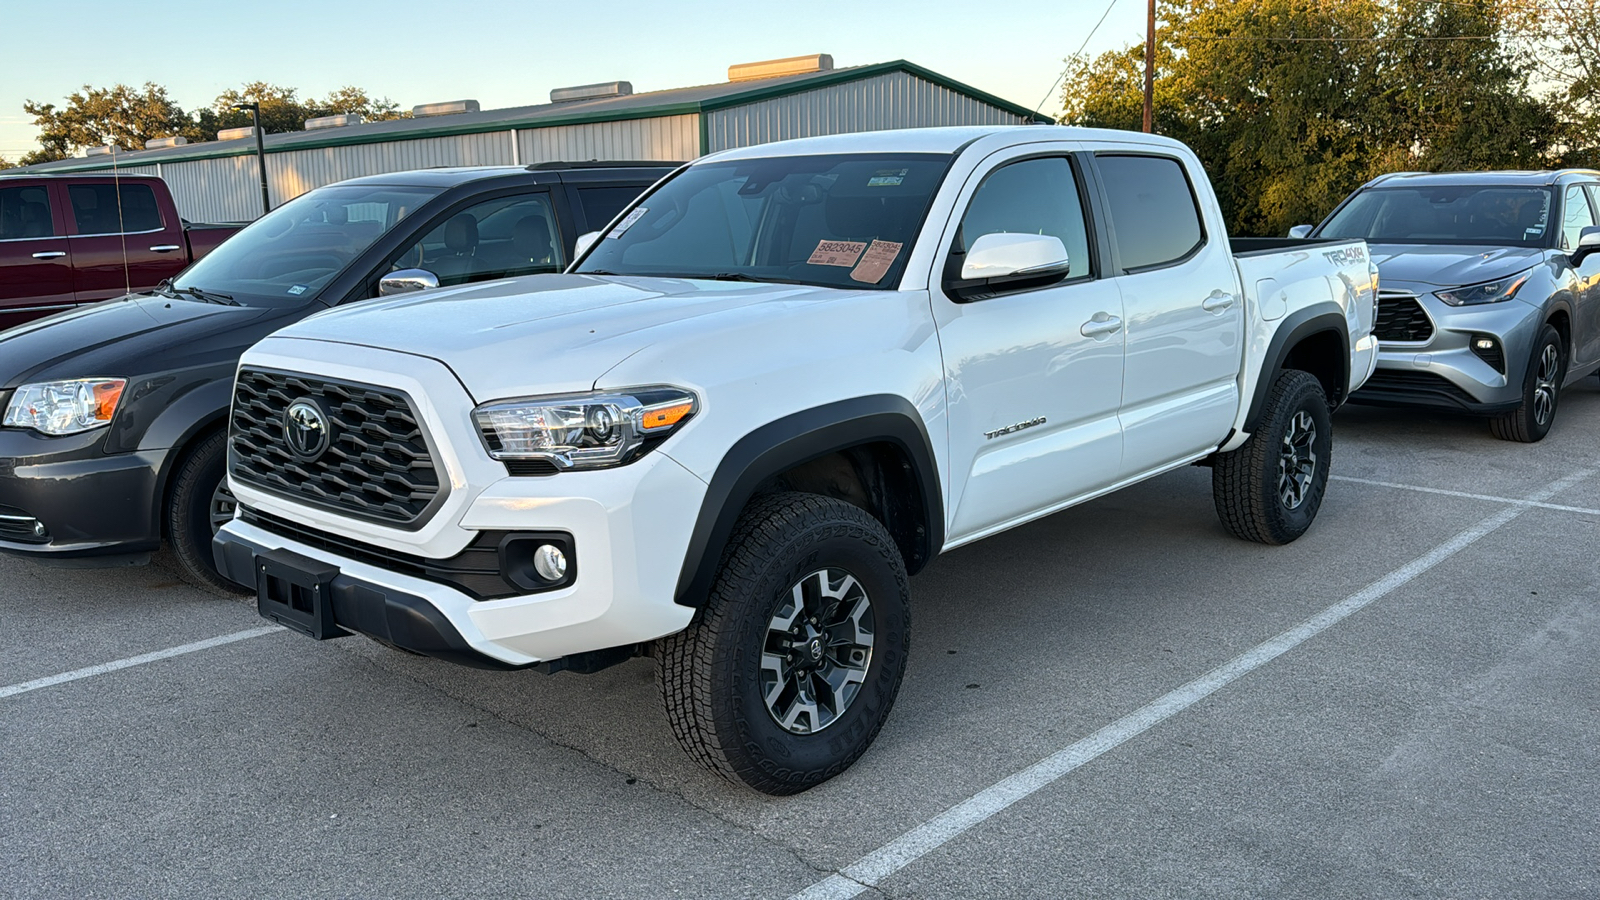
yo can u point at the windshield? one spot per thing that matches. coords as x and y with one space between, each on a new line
288 255
832 221
1446 214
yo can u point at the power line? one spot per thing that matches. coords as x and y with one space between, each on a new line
1085 43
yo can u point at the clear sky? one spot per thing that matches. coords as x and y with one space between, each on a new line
511 54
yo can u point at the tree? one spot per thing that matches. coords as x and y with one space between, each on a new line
1560 42
282 110
120 115
6 163
1291 104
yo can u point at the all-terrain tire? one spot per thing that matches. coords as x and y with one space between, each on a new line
191 514
1270 489
711 674
1541 392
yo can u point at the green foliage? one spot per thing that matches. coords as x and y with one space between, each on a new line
128 116
6 163
1292 104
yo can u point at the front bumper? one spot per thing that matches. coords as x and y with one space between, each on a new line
93 507
1443 372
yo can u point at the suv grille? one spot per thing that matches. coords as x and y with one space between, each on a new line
1401 318
375 464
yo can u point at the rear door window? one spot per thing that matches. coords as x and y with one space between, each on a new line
601 204
103 209
1153 210
25 213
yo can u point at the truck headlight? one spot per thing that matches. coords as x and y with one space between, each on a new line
583 431
65 407
1488 292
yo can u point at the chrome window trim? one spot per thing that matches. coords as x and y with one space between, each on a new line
115 233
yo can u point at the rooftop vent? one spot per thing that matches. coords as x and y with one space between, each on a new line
591 91
235 134
448 108
338 121
775 68
164 143
102 150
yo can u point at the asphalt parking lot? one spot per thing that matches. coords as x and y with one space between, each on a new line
1117 701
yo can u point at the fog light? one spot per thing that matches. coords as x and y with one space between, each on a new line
1484 344
1487 348
550 562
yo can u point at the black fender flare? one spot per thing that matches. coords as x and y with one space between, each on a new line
798 438
1295 328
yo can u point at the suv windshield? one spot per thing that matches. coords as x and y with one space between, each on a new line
288 255
1502 215
835 221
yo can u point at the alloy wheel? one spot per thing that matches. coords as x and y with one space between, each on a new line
1544 384
1297 460
818 648
222 506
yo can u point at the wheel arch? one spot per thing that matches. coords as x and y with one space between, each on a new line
1311 340
882 431
191 419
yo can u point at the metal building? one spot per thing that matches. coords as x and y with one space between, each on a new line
801 97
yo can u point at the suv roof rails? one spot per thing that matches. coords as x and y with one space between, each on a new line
604 164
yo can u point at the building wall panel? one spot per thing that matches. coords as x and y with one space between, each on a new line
892 100
662 138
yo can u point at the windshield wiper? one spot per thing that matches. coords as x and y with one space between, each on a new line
596 272
208 296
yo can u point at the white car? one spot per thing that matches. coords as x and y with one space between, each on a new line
782 381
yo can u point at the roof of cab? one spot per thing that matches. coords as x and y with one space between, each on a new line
1502 177
937 140
451 176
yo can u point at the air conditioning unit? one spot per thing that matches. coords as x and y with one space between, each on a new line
338 121
164 143
103 150
777 68
235 134
448 108
591 91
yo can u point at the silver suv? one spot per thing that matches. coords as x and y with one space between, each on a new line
1490 290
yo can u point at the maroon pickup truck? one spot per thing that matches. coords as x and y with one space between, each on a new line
65 240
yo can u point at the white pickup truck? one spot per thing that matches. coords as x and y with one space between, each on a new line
782 381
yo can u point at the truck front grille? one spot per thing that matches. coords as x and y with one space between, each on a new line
373 463
1401 318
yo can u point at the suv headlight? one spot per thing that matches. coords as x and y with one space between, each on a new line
583 431
65 407
1488 292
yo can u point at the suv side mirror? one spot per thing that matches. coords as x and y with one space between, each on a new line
999 262
1588 242
405 281
585 241
1300 232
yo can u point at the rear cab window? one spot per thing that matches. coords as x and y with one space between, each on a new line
104 209
1153 210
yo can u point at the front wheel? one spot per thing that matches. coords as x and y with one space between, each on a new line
1270 489
1541 392
199 505
787 673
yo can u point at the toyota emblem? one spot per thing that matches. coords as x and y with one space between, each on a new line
306 430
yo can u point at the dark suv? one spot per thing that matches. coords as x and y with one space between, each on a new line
112 437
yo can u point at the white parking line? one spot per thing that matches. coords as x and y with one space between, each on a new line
141 659
890 858
1428 490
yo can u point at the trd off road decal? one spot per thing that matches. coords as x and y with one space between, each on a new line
1345 256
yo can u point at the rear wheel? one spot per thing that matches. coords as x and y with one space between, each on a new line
787 673
1541 392
199 505
1270 489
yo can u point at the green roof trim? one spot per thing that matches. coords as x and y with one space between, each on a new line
764 89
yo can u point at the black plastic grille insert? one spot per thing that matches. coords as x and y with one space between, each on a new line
377 465
1401 318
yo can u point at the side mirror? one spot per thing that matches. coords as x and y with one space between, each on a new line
1588 242
1300 232
585 241
998 262
405 281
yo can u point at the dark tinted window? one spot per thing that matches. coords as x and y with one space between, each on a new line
96 208
25 213
1152 209
601 204
497 238
1035 196
1446 214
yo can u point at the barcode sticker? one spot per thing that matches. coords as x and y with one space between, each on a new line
876 261
836 253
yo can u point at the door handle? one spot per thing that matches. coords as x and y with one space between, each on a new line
1103 325
1217 302
165 248
49 254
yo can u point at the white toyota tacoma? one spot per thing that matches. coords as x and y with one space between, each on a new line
781 382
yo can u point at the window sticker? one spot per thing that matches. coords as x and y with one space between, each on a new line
627 222
299 289
836 253
876 261
887 177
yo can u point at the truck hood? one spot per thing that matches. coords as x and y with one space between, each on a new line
1439 265
129 336
563 331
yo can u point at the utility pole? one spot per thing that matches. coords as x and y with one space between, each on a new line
261 150
1149 68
